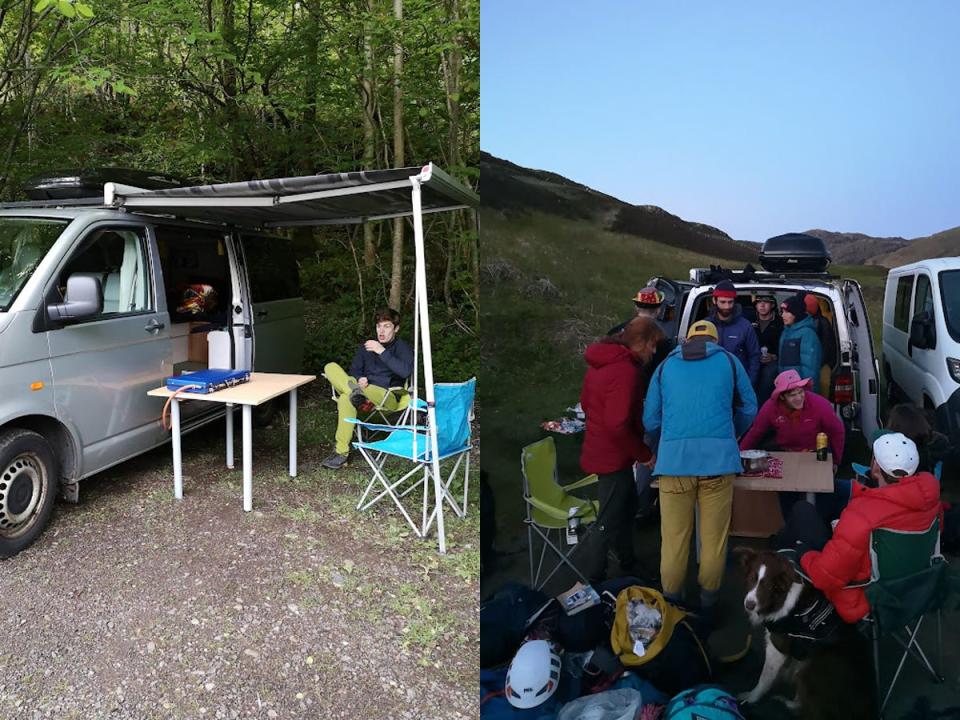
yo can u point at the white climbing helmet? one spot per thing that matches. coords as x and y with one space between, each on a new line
533 675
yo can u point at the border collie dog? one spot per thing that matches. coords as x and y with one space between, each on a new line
806 642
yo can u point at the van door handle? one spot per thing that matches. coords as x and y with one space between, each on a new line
153 325
262 313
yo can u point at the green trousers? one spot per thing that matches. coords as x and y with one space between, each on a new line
345 410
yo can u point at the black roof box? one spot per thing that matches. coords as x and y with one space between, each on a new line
795 253
89 183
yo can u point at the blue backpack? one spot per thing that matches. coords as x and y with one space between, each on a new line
703 702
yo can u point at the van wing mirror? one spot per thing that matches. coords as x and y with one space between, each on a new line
84 299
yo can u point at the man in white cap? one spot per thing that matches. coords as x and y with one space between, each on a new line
903 500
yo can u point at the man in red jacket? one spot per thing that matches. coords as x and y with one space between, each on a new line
612 399
902 501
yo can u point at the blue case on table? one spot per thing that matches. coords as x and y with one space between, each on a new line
208 381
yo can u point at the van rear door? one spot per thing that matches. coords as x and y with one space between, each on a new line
675 293
274 282
866 367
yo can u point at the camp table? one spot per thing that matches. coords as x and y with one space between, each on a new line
756 510
260 388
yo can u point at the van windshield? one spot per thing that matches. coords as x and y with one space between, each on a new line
23 244
950 296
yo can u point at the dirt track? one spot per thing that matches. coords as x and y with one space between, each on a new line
134 606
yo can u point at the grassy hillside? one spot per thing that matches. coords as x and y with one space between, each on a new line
550 286
943 244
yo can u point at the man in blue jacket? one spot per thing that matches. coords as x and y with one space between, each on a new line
735 332
701 400
377 366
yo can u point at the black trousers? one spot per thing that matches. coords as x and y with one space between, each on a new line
614 526
804 525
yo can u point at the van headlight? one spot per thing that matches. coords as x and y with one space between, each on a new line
953 365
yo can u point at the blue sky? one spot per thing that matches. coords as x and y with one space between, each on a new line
756 117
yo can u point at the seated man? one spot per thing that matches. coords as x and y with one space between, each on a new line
902 501
377 366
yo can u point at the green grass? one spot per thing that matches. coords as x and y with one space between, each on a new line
551 286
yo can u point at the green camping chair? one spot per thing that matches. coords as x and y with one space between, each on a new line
907 580
549 508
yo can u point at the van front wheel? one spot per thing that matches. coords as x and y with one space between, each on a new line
28 482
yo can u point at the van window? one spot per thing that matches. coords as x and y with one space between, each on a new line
901 311
272 268
950 296
117 258
923 300
196 274
23 244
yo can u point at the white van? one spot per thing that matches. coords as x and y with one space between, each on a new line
921 338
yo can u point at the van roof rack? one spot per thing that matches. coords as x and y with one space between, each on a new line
89 183
716 273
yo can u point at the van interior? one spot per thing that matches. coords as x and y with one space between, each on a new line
196 276
745 301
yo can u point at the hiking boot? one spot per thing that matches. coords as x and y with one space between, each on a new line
335 461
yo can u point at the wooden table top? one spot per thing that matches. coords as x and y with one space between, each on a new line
260 388
802 472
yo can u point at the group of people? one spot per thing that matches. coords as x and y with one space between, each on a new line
683 413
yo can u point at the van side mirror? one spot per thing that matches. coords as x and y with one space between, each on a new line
922 332
84 299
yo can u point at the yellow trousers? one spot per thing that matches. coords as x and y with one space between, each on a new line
345 409
679 498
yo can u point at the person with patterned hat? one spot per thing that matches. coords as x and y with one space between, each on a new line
647 302
735 333
701 400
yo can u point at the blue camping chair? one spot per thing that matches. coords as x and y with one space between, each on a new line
410 444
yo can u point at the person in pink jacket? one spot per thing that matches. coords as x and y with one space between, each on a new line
795 415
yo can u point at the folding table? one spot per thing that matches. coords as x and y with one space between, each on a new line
261 388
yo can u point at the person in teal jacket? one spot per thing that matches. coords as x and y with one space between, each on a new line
701 400
800 348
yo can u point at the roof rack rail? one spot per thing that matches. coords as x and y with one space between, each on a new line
65 203
716 273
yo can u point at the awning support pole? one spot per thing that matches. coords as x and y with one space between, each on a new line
424 314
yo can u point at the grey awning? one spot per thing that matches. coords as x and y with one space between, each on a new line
335 198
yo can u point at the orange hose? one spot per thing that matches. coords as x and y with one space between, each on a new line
166 406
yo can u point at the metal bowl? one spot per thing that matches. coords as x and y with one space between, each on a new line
754 461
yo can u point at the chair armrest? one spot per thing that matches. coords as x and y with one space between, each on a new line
388 428
582 482
555 513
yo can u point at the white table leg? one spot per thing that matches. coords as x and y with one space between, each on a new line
293 432
230 436
175 439
811 498
247 458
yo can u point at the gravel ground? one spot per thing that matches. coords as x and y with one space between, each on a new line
132 605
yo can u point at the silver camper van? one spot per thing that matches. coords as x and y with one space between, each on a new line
98 306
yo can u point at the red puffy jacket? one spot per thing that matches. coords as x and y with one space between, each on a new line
910 504
611 399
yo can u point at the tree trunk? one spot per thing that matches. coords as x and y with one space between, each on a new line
369 129
396 276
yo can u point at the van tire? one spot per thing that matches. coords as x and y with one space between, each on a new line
28 488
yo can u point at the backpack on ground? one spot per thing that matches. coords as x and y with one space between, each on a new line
704 702
677 656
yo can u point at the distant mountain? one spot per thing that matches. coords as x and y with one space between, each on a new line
942 244
857 248
510 188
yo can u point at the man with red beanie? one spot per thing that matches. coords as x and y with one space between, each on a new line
736 333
